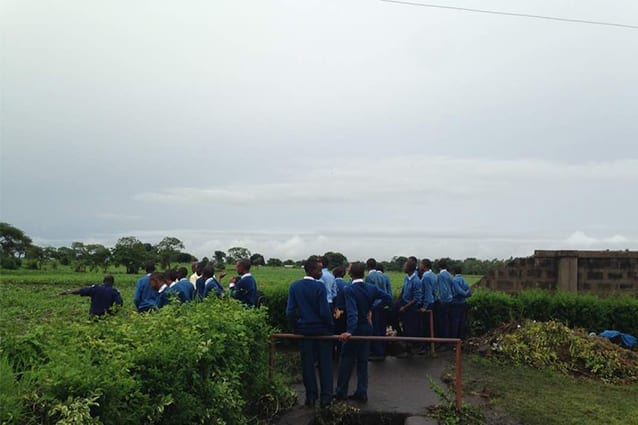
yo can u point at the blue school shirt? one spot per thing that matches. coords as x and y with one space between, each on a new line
412 289
376 278
145 297
359 299
328 280
339 300
103 297
184 290
443 288
428 283
245 290
386 280
307 310
212 285
460 290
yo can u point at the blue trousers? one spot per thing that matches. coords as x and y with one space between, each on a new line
379 323
317 351
354 352
458 315
441 320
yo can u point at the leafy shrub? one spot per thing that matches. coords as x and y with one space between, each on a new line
194 363
555 345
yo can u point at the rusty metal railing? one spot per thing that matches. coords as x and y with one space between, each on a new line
413 340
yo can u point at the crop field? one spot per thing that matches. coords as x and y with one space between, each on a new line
33 296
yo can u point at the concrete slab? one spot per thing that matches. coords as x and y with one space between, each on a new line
396 385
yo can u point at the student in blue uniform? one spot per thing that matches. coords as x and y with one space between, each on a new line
409 304
428 282
145 298
328 280
244 288
339 301
182 288
443 295
309 314
160 285
360 297
211 284
461 291
103 297
379 315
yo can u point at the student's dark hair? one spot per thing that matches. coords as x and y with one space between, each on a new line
413 258
457 269
339 271
371 263
380 267
200 268
357 269
245 263
182 272
158 276
171 274
208 271
427 263
310 264
149 267
410 267
324 261
108 280
442 264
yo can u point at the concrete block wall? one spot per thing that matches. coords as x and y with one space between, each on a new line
597 272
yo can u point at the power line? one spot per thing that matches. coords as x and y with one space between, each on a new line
522 15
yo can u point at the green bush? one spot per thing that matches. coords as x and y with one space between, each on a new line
196 363
489 309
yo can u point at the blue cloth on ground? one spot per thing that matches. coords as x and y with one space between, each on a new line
627 341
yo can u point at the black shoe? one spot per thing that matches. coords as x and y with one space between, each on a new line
358 397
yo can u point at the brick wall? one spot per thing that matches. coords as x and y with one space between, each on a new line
597 272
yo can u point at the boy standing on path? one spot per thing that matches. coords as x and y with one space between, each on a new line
309 314
360 297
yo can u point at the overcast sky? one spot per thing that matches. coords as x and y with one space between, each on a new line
297 127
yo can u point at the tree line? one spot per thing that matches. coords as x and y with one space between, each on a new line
18 250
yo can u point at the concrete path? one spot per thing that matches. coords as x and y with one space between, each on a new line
396 385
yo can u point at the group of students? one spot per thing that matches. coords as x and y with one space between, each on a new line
155 290
323 304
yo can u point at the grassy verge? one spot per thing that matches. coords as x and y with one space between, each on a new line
542 397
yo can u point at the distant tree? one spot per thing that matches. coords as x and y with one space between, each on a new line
185 257
397 263
220 257
50 255
237 253
65 255
274 262
335 259
131 253
167 249
80 256
36 256
257 260
98 256
13 241
289 262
